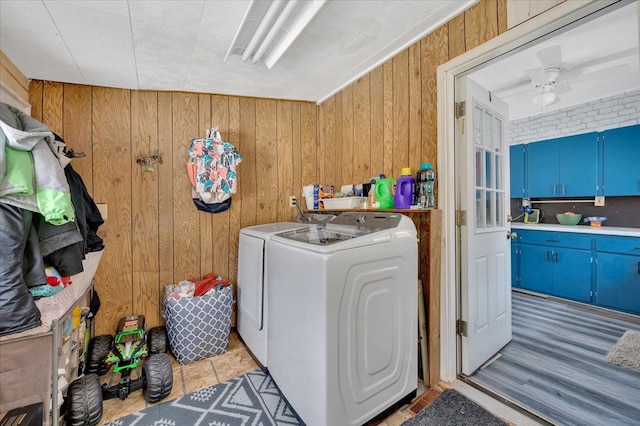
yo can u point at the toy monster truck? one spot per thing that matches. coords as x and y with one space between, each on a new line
122 355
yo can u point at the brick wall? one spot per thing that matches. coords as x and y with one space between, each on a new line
606 113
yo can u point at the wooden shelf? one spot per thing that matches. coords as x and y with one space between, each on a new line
405 211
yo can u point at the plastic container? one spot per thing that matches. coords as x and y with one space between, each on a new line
385 192
595 221
371 196
425 183
403 197
342 202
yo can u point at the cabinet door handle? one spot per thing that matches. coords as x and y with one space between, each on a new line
552 241
562 189
556 253
554 189
639 268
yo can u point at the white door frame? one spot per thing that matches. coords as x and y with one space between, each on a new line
534 29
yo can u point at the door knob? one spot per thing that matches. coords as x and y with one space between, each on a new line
513 235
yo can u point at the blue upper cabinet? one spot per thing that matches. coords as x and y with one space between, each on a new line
517 173
622 161
542 169
563 167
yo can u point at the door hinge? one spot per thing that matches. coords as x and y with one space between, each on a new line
461 328
461 109
461 217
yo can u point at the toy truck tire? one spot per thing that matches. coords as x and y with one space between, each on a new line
84 397
157 377
98 350
157 340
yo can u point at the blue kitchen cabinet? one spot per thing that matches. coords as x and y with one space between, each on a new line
536 271
517 163
515 264
556 263
618 272
619 282
563 167
542 169
621 165
572 274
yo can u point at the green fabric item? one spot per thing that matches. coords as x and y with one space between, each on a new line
19 170
55 206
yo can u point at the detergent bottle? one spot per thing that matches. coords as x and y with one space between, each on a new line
404 190
385 189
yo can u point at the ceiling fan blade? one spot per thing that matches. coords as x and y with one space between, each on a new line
512 86
572 71
537 76
610 72
562 87
550 56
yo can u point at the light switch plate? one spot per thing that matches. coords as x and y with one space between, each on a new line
599 201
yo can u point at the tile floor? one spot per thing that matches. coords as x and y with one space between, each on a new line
208 372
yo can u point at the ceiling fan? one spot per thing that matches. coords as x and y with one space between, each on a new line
546 82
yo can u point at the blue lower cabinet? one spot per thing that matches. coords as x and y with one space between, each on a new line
556 271
536 268
572 274
619 282
515 265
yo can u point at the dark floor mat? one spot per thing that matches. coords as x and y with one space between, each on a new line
453 409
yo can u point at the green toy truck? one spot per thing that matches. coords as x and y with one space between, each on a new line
132 346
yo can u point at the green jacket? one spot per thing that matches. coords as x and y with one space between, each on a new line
31 176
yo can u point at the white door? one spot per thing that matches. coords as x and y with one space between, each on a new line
482 164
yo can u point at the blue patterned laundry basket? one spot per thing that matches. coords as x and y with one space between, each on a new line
198 327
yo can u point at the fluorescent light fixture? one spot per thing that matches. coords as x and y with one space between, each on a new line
270 27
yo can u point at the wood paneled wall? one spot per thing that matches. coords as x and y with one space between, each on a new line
154 234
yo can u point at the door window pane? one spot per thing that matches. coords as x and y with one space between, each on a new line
480 210
479 167
497 134
487 126
491 209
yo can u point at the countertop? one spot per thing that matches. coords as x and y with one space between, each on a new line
582 229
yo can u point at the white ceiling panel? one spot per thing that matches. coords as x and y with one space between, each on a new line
184 14
182 44
28 15
90 25
46 55
111 7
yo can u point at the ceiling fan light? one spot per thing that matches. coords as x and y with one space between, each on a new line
544 99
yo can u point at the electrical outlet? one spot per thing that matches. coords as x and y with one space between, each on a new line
292 201
599 201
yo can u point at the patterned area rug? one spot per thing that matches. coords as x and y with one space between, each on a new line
251 399
626 353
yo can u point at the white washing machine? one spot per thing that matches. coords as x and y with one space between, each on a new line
342 342
252 285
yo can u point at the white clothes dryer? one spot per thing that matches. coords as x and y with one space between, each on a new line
252 285
342 311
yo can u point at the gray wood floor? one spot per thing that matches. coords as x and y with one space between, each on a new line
556 364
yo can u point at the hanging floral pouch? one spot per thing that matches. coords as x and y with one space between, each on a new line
212 172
